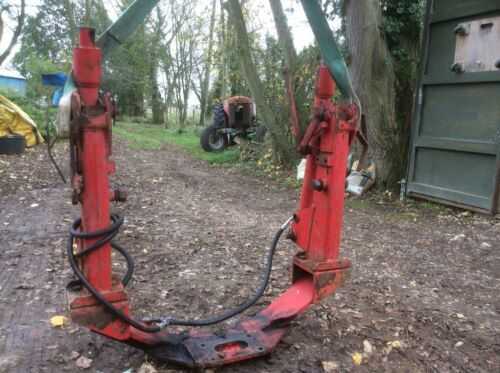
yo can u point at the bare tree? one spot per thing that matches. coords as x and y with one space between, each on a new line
182 57
222 45
290 56
6 8
88 12
177 16
157 35
207 67
281 146
183 69
284 35
69 14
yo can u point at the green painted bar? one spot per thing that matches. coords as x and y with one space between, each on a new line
125 25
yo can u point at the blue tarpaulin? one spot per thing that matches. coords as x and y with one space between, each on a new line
55 80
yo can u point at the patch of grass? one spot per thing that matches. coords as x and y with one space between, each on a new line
151 137
356 203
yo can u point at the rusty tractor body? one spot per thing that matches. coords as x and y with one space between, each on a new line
234 119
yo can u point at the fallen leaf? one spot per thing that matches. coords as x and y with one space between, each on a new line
357 358
330 366
147 368
367 347
83 362
58 321
458 237
394 344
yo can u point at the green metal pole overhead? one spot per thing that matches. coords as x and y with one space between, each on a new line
125 25
328 46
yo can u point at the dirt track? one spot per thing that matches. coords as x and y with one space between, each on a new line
426 279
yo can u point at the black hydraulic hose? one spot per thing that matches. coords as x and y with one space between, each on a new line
164 321
50 145
110 233
106 235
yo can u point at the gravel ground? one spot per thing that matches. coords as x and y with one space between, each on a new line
423 294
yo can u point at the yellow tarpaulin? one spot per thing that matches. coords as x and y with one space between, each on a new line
13 120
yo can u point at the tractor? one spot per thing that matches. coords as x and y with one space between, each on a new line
232 120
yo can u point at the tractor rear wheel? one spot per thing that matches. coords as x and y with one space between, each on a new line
219 116
211 140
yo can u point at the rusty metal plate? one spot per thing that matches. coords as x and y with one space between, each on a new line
478 45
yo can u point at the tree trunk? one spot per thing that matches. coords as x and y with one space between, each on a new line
284 35
297 109
88 13
222 46
208 66
374 80
281 145
156 103
70 16
16 33
168 102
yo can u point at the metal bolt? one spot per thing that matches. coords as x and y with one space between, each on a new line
318 185
462 29
458 67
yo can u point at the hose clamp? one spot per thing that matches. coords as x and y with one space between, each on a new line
287 223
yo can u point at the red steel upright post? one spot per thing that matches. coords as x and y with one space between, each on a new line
94 161
317 227
91 167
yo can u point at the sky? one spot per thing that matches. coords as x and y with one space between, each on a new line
260 11
297 21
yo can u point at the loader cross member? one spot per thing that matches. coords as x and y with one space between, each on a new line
97 298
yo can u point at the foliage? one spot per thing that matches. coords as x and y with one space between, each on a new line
126 74
35 109
403 24
47 40
307 61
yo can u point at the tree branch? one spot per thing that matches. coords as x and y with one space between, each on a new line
17 32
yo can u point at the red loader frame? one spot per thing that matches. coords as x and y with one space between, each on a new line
97 299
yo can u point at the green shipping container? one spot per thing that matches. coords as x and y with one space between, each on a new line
455 141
